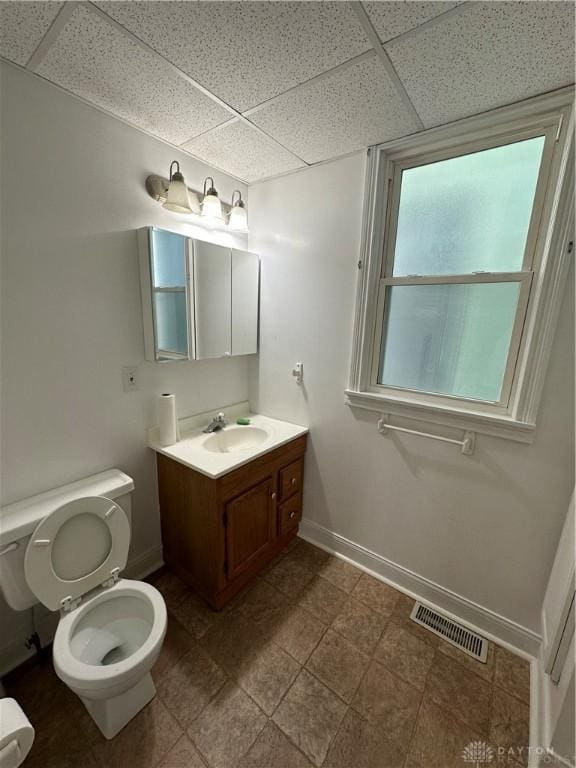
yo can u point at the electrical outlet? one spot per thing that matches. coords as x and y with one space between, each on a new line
130 378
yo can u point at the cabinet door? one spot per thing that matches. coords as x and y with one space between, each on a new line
164 280
250 526
212 305
245 295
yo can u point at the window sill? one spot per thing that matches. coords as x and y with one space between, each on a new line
472 421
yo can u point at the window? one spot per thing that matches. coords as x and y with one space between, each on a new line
467 228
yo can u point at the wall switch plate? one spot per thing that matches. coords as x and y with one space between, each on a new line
130 378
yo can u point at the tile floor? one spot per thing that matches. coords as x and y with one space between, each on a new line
315 664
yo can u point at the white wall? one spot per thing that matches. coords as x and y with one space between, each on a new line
72 197
484 527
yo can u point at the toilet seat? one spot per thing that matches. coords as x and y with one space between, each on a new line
80 546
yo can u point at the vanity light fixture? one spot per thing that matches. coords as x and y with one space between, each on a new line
177 196
211 205
208 209
238 219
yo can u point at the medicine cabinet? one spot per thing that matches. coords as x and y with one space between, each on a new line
199 300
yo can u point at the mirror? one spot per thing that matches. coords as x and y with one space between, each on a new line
164 276
199 300
212 300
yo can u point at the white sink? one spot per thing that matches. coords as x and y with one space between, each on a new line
231 439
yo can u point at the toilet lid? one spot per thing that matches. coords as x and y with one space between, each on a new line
75 549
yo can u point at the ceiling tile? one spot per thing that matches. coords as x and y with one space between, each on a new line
488 55
352 108
22 27
246 52
100 63
391 19
243 151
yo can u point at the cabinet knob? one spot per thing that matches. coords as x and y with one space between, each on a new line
273 495
292 515
293 481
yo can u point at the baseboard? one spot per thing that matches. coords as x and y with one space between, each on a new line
493 626
15 653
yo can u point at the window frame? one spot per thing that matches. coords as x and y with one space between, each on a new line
541 276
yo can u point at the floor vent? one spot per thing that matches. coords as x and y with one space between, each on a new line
472 644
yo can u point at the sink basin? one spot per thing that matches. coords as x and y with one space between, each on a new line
233 439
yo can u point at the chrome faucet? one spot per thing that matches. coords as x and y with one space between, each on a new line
218 422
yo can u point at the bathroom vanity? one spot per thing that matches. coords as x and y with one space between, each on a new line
229 502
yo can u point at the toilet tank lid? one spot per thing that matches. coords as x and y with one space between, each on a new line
18 520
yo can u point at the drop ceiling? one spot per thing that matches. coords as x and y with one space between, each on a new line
258 89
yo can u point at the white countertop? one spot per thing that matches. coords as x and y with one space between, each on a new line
190 450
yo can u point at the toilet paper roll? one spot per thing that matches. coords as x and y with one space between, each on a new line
167 419
11 756
14 727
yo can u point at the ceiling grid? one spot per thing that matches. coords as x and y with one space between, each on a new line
261 89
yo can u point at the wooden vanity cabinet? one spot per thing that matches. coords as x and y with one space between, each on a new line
219 532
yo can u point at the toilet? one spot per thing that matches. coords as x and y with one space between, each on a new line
66 549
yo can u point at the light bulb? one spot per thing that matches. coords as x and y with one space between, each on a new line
211 205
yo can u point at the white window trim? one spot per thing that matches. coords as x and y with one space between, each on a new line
517 420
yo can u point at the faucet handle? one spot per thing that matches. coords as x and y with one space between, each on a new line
221 417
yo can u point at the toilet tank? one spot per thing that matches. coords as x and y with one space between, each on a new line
19 520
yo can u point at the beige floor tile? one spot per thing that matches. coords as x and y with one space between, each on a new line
360 745
340 573
289 576
145 741
439 739
298 633
387 702
172 589
176 643
232 641
513 674
338 664
485 671
263 606
359 624
182 755
62 757
310 715
267 675
376 595
461 692
322 599
227 727
37 688
273 750
401 615
510 724
195 615
308 555
58 740
190 685
405 654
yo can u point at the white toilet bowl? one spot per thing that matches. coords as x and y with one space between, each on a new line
104 651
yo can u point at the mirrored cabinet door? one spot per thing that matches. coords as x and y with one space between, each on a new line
164 278
212 300
199 300
245 297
